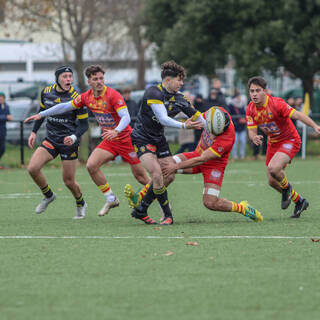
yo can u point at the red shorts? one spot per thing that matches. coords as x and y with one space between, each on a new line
289 147
212 173
122 147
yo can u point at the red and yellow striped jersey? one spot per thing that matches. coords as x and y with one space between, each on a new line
104 108
273 118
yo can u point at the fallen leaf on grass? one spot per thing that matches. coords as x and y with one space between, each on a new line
315 240
169 253
157 228
192 243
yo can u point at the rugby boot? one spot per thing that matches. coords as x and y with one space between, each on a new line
134 198
42 206
110 203
81 211
143 216
251 212
167 221
300 206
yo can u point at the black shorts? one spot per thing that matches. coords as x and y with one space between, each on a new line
160 149
66 152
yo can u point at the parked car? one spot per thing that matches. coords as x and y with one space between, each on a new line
21 109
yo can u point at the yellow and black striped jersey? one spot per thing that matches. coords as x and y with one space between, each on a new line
147 125
62 125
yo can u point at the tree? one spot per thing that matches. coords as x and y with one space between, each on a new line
190 32
76 22
131 20
280 33
260 35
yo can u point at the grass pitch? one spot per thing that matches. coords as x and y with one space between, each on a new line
208 265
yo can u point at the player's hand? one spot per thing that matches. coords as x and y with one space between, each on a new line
9 117
169 168
32 139
109 134
257 140
69 140
190 124
317 129
32 118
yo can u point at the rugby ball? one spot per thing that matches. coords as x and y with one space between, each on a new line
215 119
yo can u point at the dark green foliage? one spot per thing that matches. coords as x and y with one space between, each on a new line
260 35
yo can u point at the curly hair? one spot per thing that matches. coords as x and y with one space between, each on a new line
172 69
92 70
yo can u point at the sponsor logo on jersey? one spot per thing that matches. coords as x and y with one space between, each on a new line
215 174
249 119
73 155
132 155
151 147
220 149
164 153
58 100
120 102
287 146
48 145
48 102
142 149
154 118
269 115
105 120
58 120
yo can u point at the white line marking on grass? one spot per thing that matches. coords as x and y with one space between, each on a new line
27 195
160 237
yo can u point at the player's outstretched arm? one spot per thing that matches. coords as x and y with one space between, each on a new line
57 109
189 163
297 115
161 114
191 124
33 118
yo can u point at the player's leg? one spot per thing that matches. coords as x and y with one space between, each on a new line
276 174
68 176
150 163
39 158
212 201
134 198
126 150
97 158
140 173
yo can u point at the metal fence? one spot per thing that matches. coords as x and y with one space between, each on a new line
93 135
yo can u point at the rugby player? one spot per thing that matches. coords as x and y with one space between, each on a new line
113 117
159 105
211 158
63 138
273 116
